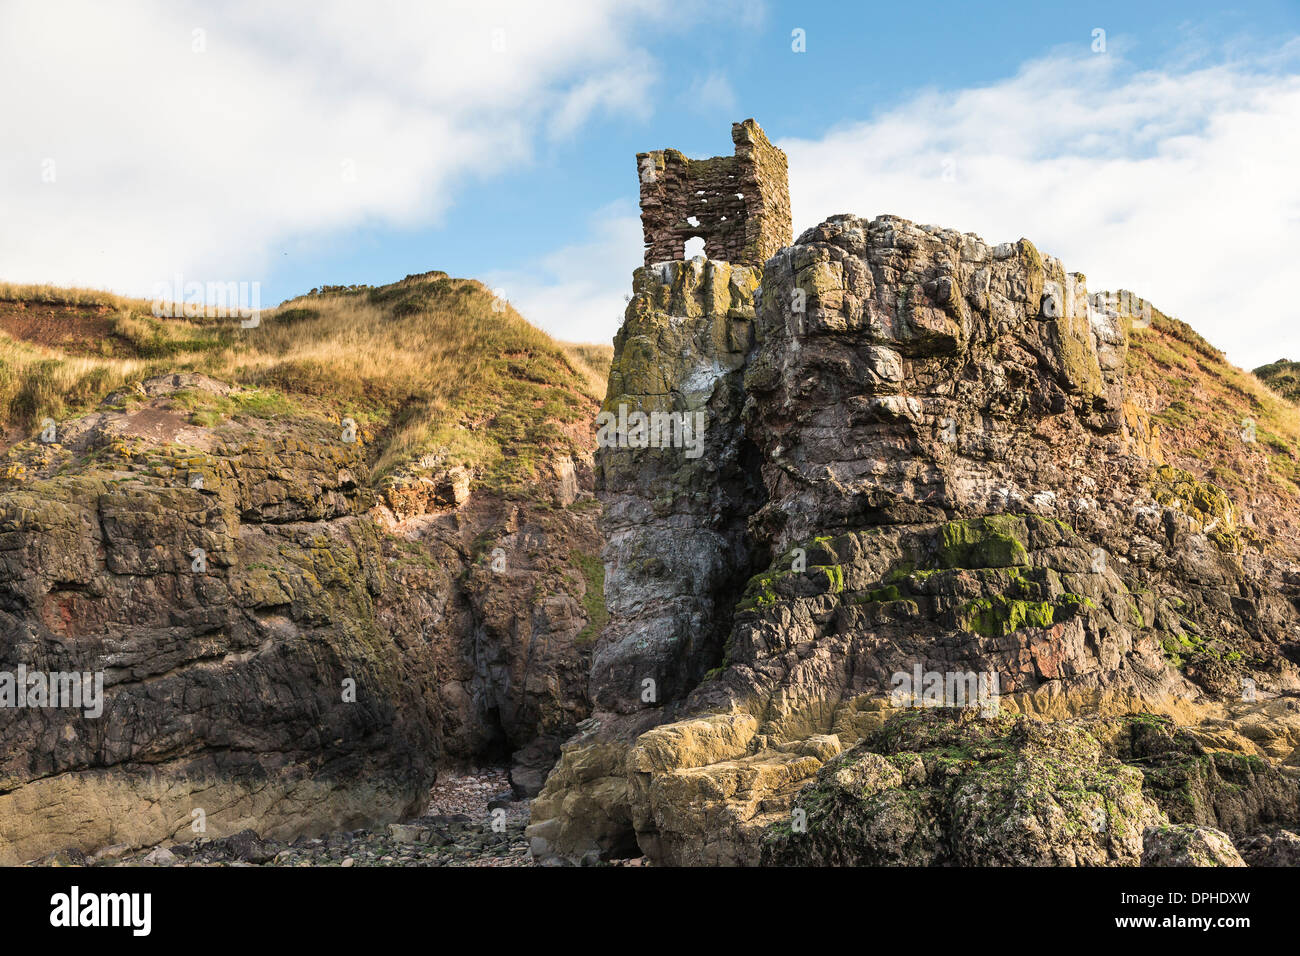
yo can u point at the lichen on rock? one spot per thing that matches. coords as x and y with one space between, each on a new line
954 480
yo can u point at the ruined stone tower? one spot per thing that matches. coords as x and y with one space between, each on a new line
739 205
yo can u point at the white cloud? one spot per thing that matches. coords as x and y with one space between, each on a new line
578 293
183 137
299 121
1180 186
617 90
712 94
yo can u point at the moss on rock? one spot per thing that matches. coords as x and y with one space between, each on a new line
995 541
931 787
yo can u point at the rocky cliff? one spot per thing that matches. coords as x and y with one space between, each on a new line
914 552
303 589
975 567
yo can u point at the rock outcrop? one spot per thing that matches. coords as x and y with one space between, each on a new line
1010 791
280 647
960 563
677 549
1188 845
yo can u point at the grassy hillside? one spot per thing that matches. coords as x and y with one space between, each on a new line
1209 411
1283 377
430 368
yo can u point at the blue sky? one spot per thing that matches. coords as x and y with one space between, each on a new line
492 141
860 58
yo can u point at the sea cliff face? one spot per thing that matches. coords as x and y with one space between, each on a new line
897 548
948 583
276 638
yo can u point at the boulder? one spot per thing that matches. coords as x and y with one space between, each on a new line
1185 844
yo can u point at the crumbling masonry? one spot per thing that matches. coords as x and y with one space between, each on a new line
739 205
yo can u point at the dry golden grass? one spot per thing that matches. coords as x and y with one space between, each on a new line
36 383
58 295
431 365
592 361
1282 376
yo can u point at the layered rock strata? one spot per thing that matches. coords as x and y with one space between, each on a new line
962 511
279 647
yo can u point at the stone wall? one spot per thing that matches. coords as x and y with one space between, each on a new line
739 205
